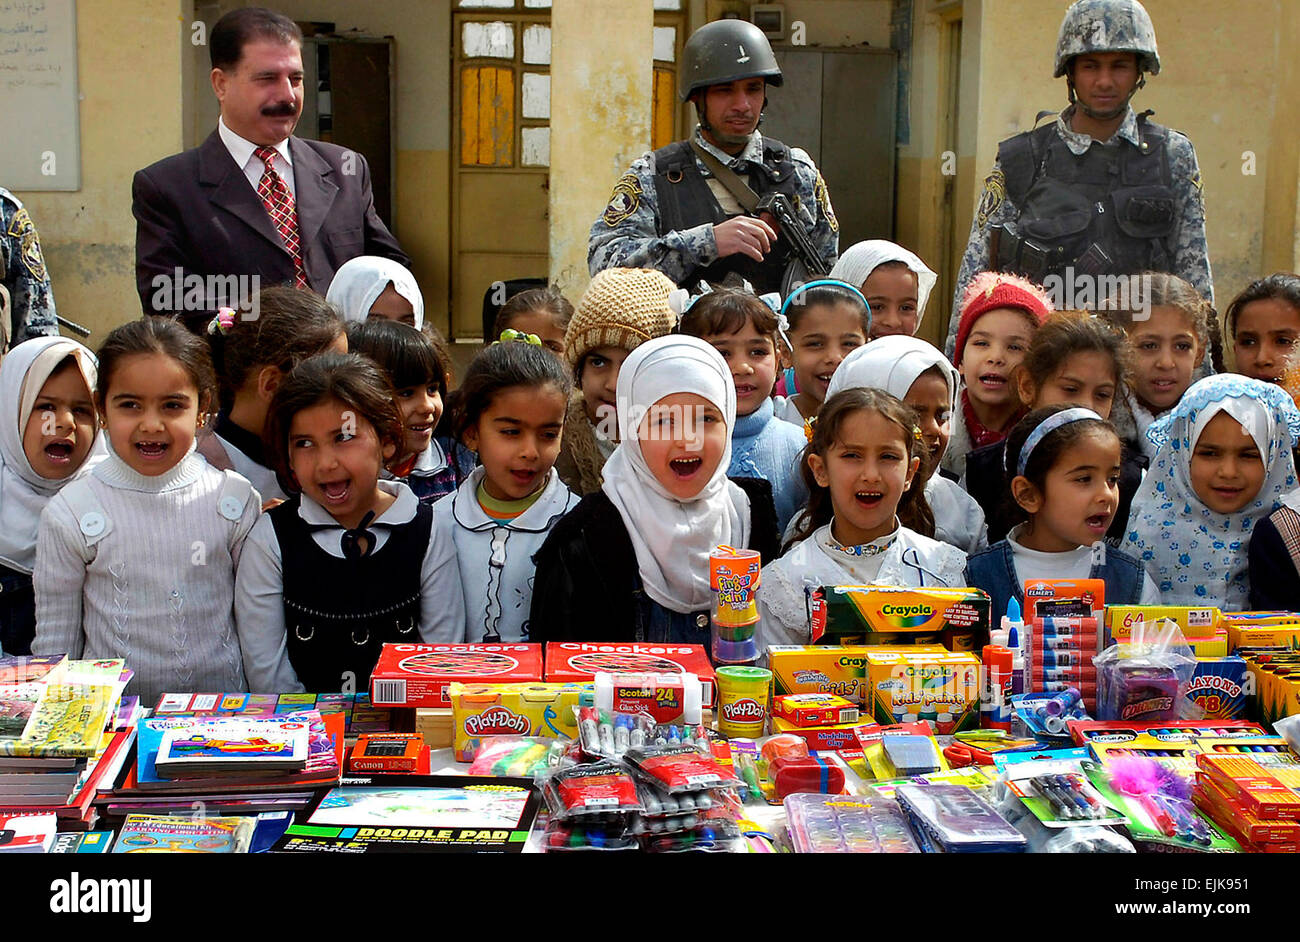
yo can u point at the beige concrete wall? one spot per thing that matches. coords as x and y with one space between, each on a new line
130 74
600 119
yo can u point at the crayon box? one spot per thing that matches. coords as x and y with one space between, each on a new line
942 688
417 675
806 668
1218 687
1192 622
814 709
958 619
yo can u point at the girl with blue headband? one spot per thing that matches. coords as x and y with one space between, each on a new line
1063 465
828 320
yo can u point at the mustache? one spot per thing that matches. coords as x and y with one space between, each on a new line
286 109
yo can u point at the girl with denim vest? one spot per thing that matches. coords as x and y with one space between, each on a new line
1063 465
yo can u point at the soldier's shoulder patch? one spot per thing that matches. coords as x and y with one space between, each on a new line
995 194
824 203
624 201
23 229
1197 181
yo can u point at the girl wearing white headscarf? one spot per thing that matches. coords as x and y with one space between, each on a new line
894 364
631 561
360 281
1196 555
889 316
24 492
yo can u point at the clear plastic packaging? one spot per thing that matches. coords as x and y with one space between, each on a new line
601 791
842 824
1145 678
563 837
607 735
679 769
956 820
516 756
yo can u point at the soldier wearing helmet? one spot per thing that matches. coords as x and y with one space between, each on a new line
1102 191
668 212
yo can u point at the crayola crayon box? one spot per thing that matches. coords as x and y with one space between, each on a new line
838 670
907 687
479 710
1194 623
1261 629
1218 687
417 675
958 619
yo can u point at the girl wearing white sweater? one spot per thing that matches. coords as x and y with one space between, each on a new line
137 558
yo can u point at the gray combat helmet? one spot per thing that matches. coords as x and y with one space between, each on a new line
1107 26
722 52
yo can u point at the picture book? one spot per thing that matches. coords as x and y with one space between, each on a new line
359 715
226 743
416 814
153 834
31 668
67 720
83 842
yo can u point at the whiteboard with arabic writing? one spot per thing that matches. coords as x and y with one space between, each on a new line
39 141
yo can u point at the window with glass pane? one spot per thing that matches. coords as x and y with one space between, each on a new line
487 40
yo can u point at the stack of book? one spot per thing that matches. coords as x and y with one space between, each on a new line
65 732
229 754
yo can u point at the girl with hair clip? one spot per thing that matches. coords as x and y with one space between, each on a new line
916 372
631 563
1223 465
372 286
511 412
1063 467
862 469
894 281
828 320
744 329
543 312
47 389
350 561
1074 359
251 357
137 559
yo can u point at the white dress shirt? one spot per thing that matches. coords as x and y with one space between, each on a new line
243 153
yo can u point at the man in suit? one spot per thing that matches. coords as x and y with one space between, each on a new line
252 200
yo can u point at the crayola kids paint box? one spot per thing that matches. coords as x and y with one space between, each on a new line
838 670
959 619
940 687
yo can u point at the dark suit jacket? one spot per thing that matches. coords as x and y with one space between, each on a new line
197 211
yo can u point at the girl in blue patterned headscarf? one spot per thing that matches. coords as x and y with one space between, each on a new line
1196 554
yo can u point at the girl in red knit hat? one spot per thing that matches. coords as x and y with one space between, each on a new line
999 315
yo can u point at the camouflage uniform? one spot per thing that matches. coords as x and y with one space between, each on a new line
24 271
627 234
1190 252
1174 233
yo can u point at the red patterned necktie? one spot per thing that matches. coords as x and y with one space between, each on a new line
279 203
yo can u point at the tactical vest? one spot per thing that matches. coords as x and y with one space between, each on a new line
685 201
1108 211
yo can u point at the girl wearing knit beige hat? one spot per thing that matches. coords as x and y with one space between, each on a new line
621 309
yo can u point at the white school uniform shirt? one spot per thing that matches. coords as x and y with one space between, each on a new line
259 587
783 408
958 517
1072 564
495 557
259 475
911 561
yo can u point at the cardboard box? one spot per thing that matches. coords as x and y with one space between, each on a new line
942 688
1245 631
1218 687
839 736
1192 622
958 619
838 670
536 709
814 709
417 675
1248 783
578 662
